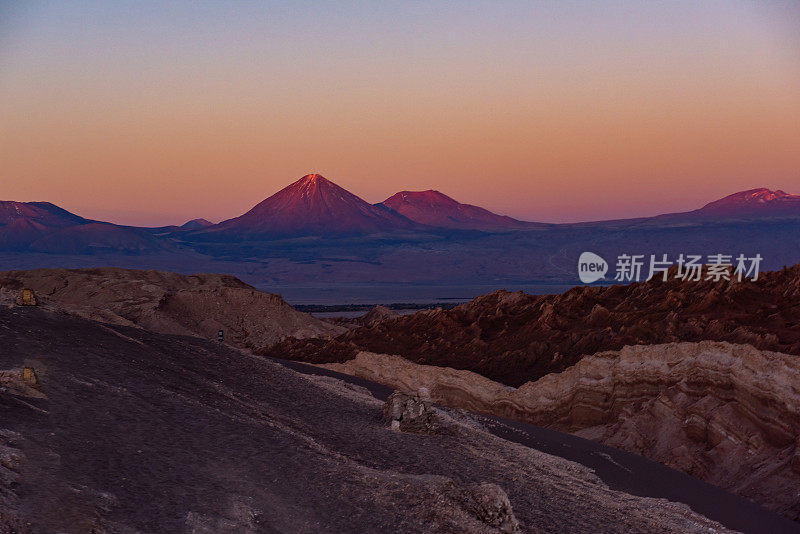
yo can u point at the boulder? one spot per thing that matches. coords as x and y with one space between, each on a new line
489 504
27 297
23 382
29 376
410 413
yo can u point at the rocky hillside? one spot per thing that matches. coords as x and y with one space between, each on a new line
115 429
727 414
514 337
198 305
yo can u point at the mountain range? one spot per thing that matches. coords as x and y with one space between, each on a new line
314 231
315 206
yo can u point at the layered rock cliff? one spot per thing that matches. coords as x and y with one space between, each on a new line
728 414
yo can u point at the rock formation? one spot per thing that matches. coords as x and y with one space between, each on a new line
26 297
410 413
728 414
198 305
514 338
22 381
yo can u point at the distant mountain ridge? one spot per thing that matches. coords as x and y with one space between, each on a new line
45 227
315 206
434 208
314 231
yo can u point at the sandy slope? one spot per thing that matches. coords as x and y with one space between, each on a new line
146 432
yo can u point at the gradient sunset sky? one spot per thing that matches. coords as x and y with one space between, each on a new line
153 113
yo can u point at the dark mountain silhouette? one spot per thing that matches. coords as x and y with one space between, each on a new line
437 209
38 214
196 224
313 205
22 223
44 227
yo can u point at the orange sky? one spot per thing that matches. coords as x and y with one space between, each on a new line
136 115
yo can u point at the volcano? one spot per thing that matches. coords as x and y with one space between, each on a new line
437 209
313 205
761 201
754 204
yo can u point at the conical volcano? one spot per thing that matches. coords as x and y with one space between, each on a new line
313 205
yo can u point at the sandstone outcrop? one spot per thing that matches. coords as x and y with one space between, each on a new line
198 305
728 414
514 338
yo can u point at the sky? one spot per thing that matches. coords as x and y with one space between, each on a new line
153 113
